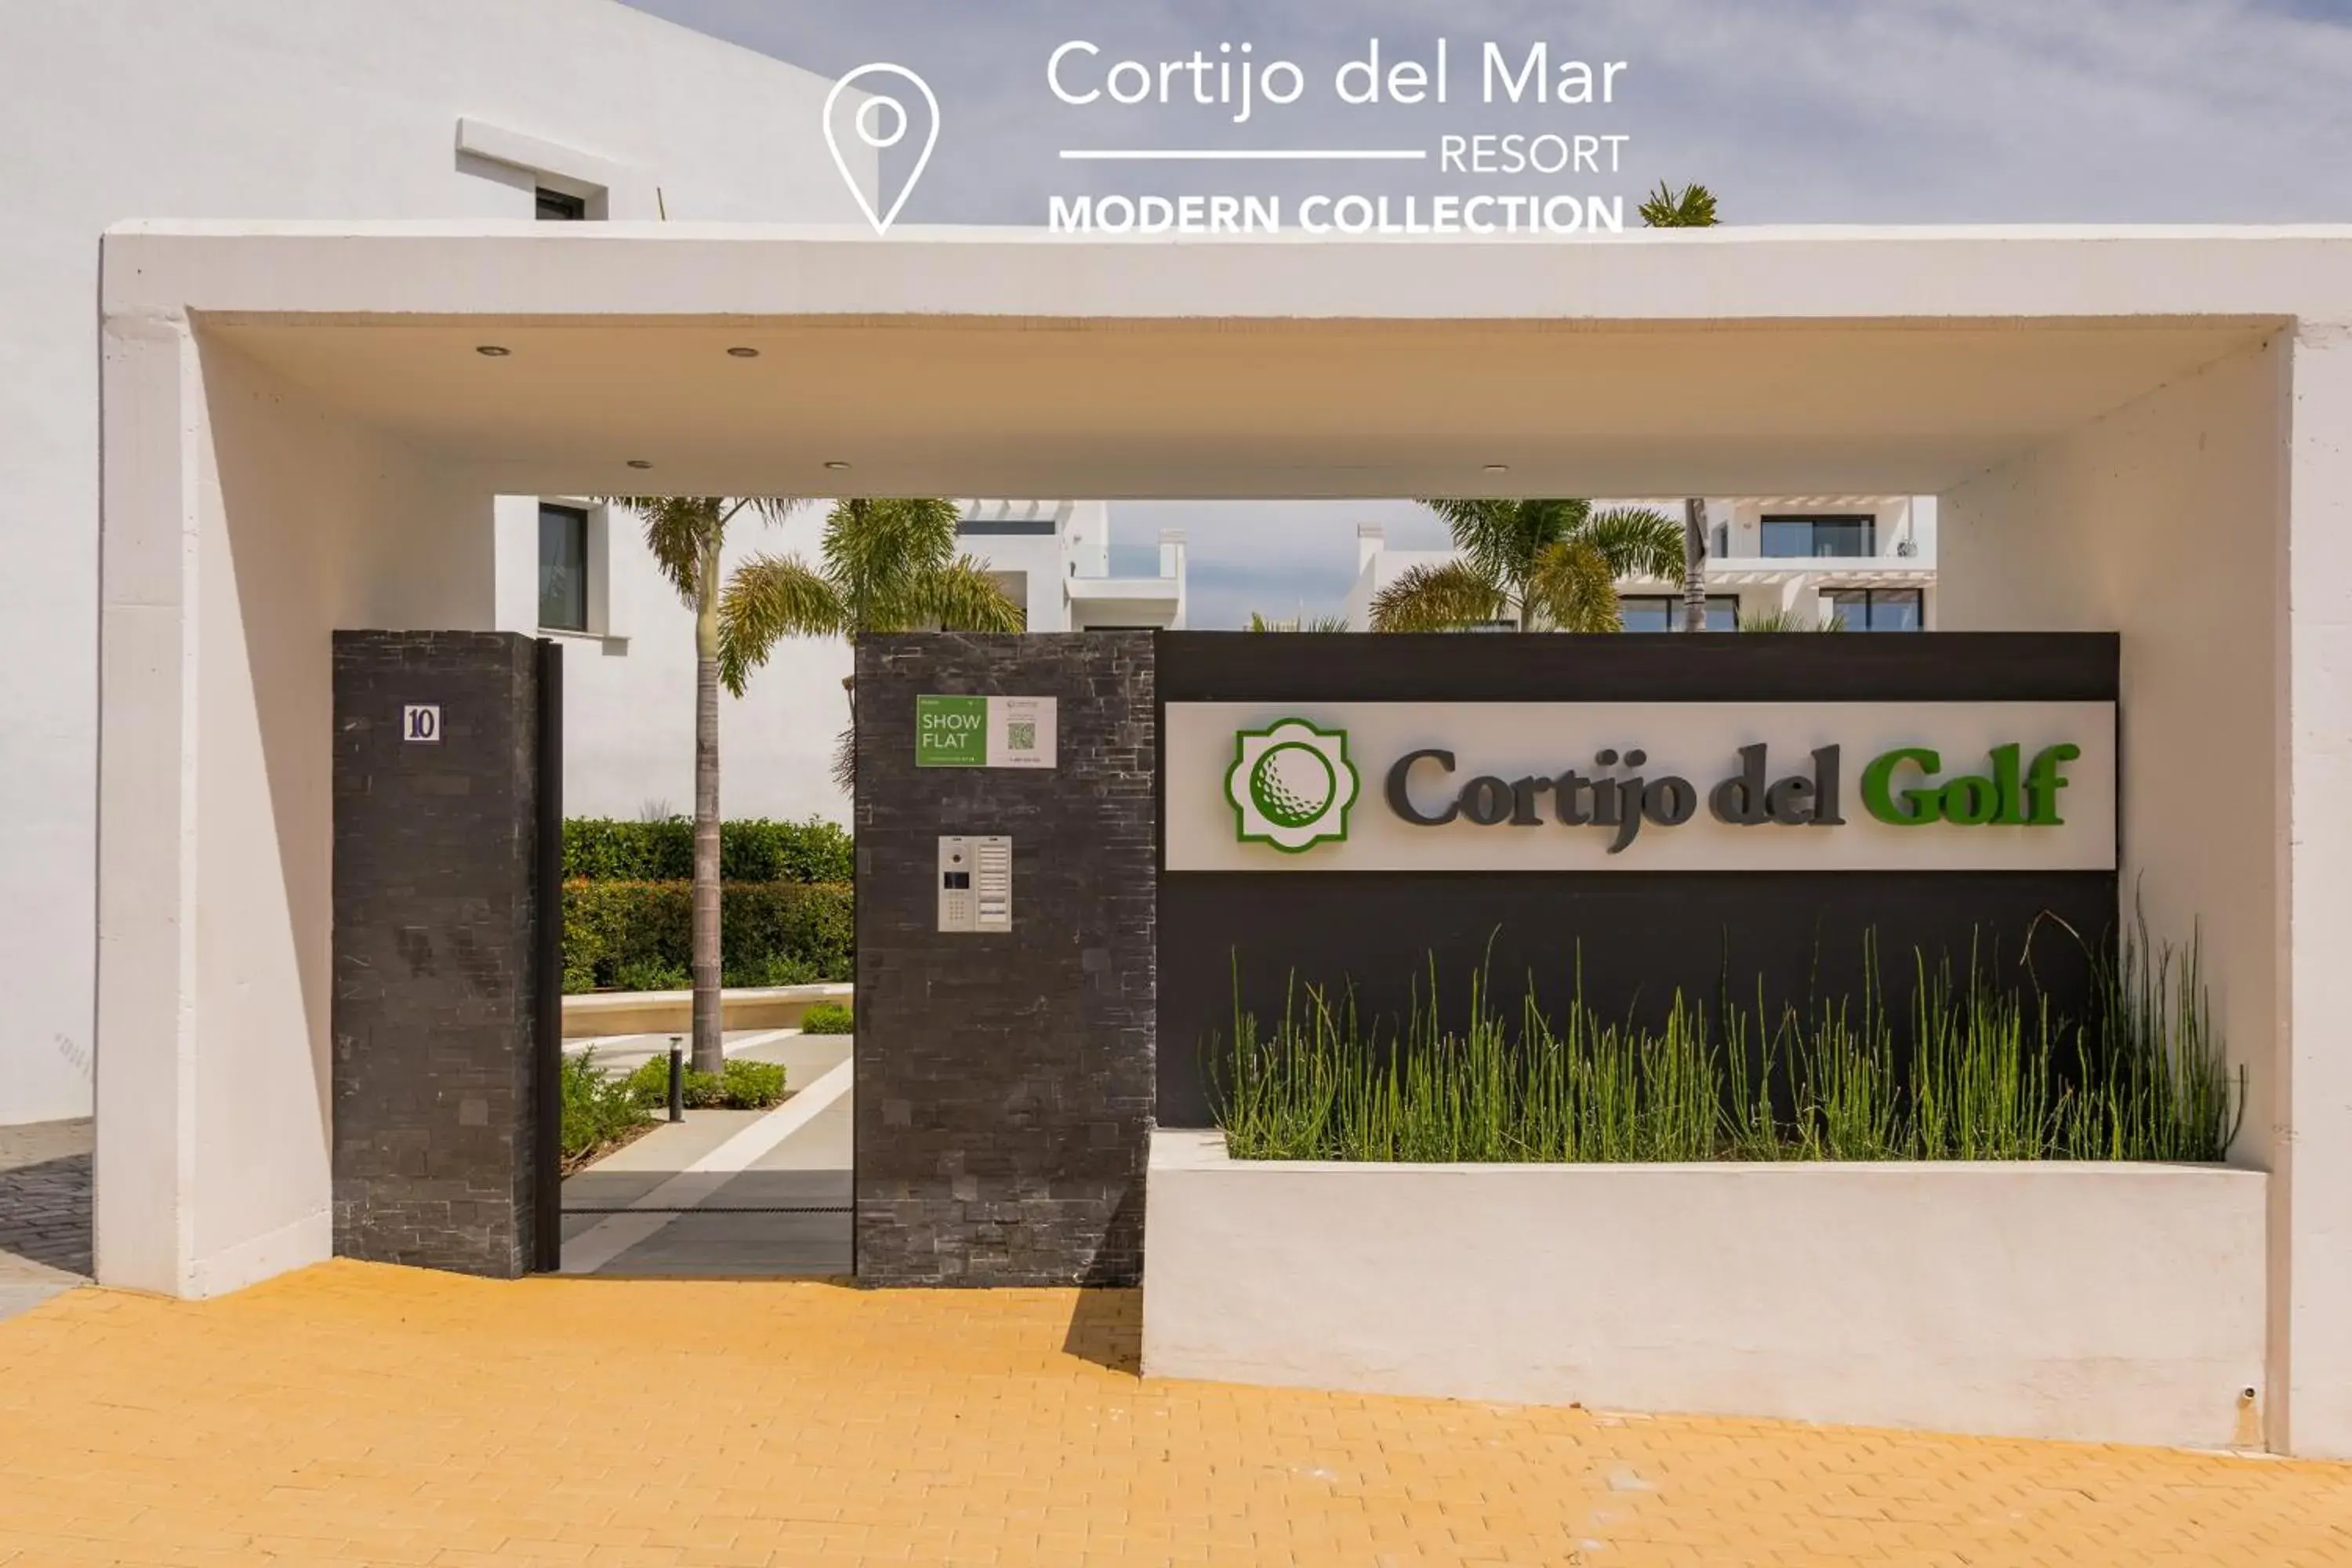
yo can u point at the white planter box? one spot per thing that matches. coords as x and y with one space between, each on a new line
2108 1303
672 1012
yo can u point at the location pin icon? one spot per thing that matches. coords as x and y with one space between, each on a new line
879 123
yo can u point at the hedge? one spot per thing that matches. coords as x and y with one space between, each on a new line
754 849
639 936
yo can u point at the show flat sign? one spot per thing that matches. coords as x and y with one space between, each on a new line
984 731
1651 786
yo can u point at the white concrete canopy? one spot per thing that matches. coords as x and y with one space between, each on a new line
2148 431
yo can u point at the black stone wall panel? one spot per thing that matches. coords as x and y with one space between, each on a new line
437 1005
1006 1080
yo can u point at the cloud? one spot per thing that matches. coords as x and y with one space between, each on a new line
1803 111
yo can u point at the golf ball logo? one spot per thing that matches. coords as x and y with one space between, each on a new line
1291 784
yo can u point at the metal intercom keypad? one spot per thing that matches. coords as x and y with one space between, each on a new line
975 883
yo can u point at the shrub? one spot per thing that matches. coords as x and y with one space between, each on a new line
775 969
825 1018
598 1110
640 935
753 1086
651 974
744 1086
1989 1074
754 849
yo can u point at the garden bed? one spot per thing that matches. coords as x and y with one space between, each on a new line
2049 1299
604 1111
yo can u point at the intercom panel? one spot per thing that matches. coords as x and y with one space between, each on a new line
976 882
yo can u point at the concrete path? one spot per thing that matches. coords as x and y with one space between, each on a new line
729 1193
45 1239
354 1412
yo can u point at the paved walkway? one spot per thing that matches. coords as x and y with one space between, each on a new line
357 1413
764 1195
44 1211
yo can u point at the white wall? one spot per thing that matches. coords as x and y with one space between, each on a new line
2311 1240
2115 1303
292 524
119 109
2166 521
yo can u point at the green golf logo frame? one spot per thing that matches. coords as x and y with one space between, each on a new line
1291 785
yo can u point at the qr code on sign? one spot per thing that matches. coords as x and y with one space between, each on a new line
1021 734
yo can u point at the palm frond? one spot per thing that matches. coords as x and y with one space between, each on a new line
677 530
1789 621
961 596
768 598
775 509
1693 207
1502 537
844 759
1259 622
1573 588
879 550
1449 597
1636 541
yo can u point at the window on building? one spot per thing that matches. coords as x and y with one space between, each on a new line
1664 612
562 568
1798 537
1000 527
1876 609
561 207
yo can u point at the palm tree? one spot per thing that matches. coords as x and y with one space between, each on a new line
883 566
686 534
1541 565
1693 207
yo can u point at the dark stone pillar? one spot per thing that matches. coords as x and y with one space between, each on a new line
438 1005
1006 1080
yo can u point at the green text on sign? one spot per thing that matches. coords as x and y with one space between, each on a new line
951 731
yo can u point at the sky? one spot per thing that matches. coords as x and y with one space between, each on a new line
1791 111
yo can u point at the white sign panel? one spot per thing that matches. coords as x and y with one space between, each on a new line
1647 786
421 722
1021 733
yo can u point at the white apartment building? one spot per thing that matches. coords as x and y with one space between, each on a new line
1054 556
465 109
1866 562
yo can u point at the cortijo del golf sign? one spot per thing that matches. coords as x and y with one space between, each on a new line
1658 786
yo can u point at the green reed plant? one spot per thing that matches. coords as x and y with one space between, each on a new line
1971 1070
2155 1083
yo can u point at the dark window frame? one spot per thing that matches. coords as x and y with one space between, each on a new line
1006 526
576 519
1869 600
1673 604
551 206
1864 523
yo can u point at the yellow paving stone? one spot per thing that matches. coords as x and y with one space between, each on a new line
367 1415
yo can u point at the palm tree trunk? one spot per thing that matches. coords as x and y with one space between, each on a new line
710 1046
1693 564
